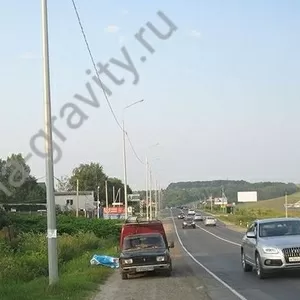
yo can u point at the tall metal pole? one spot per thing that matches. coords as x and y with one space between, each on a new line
106 194
147 182
286 205
150 195
156 199
125 172
51 212
98 203
77 198
114 194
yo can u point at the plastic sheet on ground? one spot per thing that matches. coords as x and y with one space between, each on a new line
104 260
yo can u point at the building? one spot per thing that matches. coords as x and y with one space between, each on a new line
68 200
220 201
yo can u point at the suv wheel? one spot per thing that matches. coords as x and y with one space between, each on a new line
246 267
260 272
124 276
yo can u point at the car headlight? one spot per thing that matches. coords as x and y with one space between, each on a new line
184 223
160 258
127 261
270 250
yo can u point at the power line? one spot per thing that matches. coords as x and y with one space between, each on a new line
133 150
94 64
98 76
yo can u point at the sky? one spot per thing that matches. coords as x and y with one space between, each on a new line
221 93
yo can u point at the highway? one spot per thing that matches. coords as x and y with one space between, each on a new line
217 250
206 263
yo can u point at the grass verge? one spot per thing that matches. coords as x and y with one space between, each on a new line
22 270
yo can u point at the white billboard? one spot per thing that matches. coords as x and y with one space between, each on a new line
247 196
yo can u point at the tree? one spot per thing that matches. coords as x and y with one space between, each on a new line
119 185
63 184
91 176
20 185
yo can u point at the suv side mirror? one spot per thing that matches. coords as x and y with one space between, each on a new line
251 235
171 245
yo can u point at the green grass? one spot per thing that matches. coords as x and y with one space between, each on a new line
78 280
276 204
23 267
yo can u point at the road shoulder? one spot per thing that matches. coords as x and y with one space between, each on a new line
183 284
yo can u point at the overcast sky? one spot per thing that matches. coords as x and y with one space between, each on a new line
221 93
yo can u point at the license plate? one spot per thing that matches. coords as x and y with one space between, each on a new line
294 259
144 269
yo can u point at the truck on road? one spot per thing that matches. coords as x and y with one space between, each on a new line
144 248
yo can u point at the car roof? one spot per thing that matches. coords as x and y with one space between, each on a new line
270 220
154 234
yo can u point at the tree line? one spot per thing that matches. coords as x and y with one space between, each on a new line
185 192
90 176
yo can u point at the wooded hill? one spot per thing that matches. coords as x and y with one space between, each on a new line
190 191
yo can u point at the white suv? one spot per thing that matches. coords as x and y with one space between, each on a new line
191 212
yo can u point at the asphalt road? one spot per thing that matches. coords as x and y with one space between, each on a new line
206 263
217 249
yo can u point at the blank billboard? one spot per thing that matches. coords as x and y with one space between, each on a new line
247 196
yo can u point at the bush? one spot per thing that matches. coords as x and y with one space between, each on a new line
30 260
68 225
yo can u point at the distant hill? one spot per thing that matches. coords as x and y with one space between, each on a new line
190 191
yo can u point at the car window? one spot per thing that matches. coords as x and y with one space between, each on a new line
280 228
252 228
140 242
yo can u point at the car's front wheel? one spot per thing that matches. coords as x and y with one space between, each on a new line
246 267
260 272
124 276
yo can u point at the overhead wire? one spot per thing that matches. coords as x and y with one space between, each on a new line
101 83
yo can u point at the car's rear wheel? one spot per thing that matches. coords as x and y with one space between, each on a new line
246 267
260 272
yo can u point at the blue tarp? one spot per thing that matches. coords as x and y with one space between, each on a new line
104 260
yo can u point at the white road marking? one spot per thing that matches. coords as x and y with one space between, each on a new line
218 237
236 293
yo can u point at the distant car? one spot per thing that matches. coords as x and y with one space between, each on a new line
191 212
198 217
210 221
271 245
181 216
188 223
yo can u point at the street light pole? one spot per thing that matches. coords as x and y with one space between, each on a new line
150 195
124 157
98 203
125 172
156 195
286 205
147 182
51 211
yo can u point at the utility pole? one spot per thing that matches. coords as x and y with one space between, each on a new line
98 203
125 172
106 194
147 182
114 194
77 198
156 199
286 205
150 195
211 203
51 211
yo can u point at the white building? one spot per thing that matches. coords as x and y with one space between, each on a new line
68 200
220 201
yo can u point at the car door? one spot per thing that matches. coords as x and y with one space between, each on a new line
251 243
248 242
